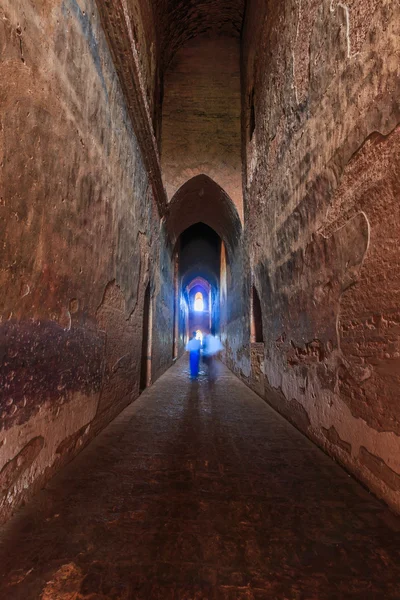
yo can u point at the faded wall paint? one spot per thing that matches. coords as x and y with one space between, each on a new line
80 240
322 146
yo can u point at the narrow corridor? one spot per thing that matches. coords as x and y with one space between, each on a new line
190 495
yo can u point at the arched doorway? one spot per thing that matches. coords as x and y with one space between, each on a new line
199 302
145 365
256 330
199 292
201 200
205 228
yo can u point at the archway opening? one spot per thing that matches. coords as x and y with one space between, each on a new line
198 302
145 364
199 294
202 201
205 229
199 279
256 330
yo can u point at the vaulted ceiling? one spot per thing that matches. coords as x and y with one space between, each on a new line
144 36
178 21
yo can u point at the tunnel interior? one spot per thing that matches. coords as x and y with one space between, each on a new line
152 151
199 266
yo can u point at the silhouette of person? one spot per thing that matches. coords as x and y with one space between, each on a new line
193 347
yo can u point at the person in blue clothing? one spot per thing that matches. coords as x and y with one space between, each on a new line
193 346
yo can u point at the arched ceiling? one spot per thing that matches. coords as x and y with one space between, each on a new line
201 200
206 273
178 21
144 35
199 281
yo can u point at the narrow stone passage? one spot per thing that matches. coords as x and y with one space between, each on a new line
191 494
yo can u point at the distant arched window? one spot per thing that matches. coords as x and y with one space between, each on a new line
256 318
199 302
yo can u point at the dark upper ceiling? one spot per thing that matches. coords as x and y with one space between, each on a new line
180 20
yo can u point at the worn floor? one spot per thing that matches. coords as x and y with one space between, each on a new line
191 495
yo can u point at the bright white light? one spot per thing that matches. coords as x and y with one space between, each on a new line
199 336
198 302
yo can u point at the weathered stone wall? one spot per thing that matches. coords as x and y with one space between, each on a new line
79 240
143 21
201 116
235 311
322 145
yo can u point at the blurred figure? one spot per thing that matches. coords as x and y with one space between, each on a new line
193 347
211 348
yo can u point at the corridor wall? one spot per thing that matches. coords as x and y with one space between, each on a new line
321 142
80 239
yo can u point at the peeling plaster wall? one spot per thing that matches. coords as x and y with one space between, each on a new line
321 142
80 239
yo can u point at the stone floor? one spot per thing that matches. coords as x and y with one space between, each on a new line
197 495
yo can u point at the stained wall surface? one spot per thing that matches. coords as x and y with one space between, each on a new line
144 23
322 145
80 240
201 116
